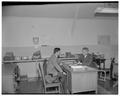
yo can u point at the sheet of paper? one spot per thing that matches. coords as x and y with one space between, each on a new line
77 66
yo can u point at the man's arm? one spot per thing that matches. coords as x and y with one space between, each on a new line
55 63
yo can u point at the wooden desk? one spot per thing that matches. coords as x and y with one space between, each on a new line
82 80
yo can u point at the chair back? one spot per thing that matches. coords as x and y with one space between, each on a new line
114 66
111 66
43 70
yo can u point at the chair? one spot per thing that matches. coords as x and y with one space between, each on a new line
115 74
102 72
110 70
56 85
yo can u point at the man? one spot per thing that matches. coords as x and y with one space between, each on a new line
85 58
54 69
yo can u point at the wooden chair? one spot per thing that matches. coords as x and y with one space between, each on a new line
47 86
115 74
102 72
105 70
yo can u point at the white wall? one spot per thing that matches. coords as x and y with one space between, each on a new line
88 30
18 32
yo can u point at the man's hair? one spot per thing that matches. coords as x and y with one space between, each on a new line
85 48
56 50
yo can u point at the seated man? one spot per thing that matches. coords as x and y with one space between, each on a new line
86 59
54 69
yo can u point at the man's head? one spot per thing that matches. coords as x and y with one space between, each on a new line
57 51
85 50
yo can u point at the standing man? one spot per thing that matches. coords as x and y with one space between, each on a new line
54 69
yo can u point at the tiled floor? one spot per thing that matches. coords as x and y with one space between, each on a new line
35 86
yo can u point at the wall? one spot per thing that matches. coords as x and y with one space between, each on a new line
50 31
56 31
18 32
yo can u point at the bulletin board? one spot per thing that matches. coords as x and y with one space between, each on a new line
104 39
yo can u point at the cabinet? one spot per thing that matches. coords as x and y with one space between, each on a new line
8 80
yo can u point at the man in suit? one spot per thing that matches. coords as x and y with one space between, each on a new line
54 69
85 58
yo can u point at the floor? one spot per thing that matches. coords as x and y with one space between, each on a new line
35 86
108 86
30 86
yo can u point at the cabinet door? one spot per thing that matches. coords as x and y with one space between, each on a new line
8 84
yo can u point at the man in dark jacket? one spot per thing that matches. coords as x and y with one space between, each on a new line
85 58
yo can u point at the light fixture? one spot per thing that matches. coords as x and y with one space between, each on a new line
109 9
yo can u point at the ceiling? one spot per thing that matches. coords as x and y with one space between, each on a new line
75 10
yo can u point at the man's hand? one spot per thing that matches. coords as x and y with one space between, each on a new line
79 62
61 64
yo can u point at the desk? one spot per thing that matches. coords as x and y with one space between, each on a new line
80 81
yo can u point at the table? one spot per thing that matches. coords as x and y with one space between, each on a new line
35 60
23 61
81 80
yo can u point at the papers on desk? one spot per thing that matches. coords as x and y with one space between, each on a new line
75 66
78 67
